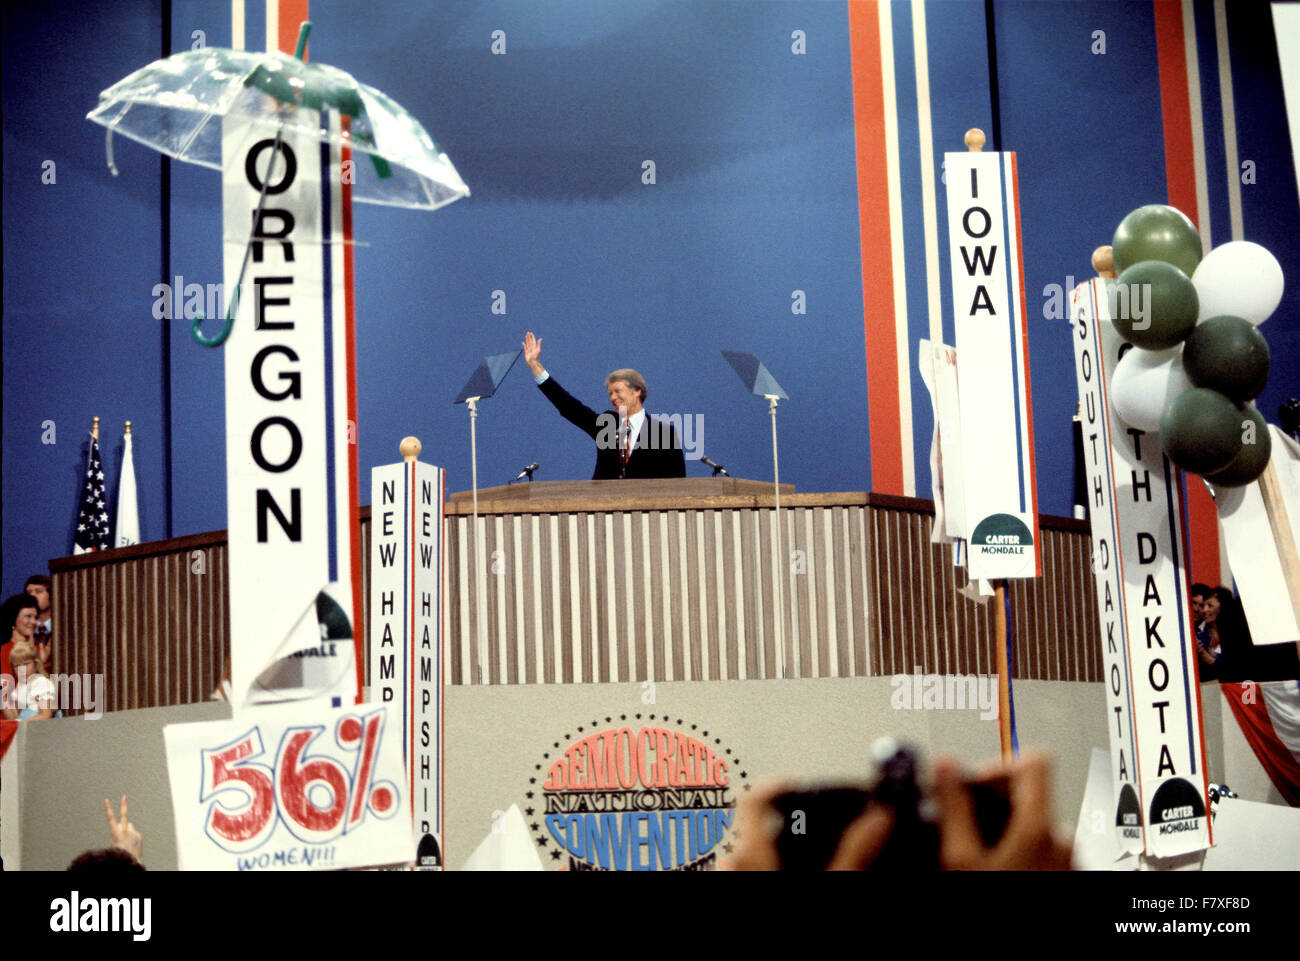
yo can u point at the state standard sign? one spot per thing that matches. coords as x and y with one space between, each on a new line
290 415
1094 406
407 607
997 433
1168 736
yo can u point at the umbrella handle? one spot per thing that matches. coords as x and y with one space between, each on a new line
196 329
304 31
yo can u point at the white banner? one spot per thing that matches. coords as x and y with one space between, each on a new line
290 419
1094 392
1001 509
938 366
1145 497
407 611
289 788
1252 550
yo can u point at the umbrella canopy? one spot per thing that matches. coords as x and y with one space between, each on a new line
176 105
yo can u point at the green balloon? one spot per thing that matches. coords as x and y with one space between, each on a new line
1253 457
1157 232
1154 305
1227 354
1201 430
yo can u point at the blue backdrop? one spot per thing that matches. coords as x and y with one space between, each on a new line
755 198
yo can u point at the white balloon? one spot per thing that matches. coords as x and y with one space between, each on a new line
1238 279
1144 383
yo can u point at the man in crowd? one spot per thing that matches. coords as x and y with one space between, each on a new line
39 587
629 442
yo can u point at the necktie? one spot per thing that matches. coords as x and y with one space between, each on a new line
624 445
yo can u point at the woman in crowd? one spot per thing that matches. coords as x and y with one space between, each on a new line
33 696
17 623
1209 644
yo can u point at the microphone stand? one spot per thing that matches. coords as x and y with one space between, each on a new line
480 598
777 561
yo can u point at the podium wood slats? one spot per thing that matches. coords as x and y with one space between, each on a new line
614 594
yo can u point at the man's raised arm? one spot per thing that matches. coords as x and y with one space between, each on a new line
572 409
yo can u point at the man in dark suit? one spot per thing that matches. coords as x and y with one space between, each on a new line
629 442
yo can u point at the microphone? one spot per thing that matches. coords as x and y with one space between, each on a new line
527 472
717 468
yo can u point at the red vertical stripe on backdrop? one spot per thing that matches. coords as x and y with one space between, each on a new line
1024 351
877 250
411 500
1176 110
350 346
292 14
1180 174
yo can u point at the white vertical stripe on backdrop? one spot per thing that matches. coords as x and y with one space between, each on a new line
1229 119
929 203
1198 128
897 269
272 25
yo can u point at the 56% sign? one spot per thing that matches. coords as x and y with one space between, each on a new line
319 791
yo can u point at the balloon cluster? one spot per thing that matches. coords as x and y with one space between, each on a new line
1198 360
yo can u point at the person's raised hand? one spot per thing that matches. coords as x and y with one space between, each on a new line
864 839
1029 841
122 833
532 351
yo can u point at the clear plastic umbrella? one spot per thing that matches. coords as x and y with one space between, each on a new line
175 106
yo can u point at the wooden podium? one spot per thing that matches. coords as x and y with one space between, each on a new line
613 581
621 581
668 493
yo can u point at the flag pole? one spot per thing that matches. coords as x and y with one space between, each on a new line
1004 669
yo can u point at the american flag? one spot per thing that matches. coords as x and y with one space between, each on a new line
92 521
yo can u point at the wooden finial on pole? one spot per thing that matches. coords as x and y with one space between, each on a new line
128 428
975 140
94 429
410 448
1103 261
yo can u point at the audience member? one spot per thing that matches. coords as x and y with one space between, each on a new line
1028 843
17 623
125 852
41 587
33 694
1198 595
1206 605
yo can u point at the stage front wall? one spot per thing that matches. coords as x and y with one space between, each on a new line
502 737
643 591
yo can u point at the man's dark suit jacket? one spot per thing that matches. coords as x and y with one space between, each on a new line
658 452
